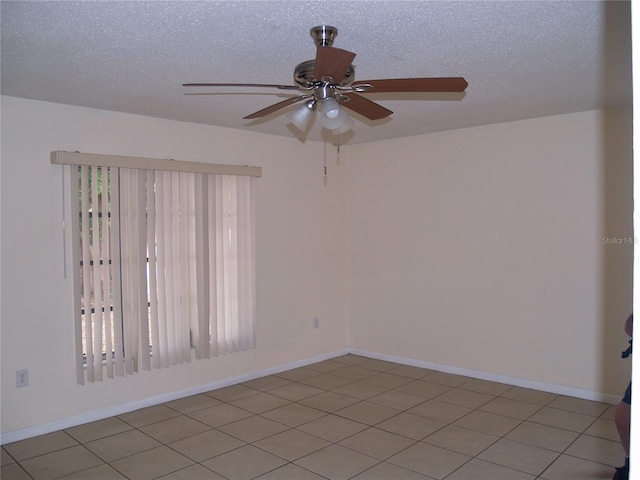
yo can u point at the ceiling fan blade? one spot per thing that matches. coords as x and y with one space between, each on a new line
443 84
365 107
275 107
254 85
332 62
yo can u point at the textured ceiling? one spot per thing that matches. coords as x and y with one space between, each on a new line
522 59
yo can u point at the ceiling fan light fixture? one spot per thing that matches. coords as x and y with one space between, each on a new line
301 116
328 79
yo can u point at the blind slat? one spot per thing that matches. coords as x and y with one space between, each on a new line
96 273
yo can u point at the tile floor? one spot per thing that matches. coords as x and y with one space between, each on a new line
346 418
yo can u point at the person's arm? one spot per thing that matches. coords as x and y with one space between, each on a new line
628 326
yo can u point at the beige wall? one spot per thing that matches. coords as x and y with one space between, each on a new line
477 249
301 270
497 249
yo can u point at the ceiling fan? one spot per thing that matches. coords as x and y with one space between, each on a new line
329 81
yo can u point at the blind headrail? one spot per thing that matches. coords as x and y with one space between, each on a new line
96 159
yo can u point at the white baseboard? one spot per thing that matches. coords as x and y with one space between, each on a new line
517 382
88 417
96 415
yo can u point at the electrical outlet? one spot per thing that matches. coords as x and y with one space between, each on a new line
22 378
316 322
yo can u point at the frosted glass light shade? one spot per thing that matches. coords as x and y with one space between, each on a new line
301 116
336 122
330 108
348 125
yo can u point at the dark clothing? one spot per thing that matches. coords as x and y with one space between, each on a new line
627 395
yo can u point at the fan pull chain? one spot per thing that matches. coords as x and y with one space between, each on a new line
338 156
325 163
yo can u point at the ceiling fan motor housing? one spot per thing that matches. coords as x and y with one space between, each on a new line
304 75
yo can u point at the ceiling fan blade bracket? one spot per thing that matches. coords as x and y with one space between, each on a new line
360 88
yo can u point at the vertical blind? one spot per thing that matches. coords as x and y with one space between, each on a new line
165 266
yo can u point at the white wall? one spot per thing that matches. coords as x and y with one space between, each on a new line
477 249
301 271
488 249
